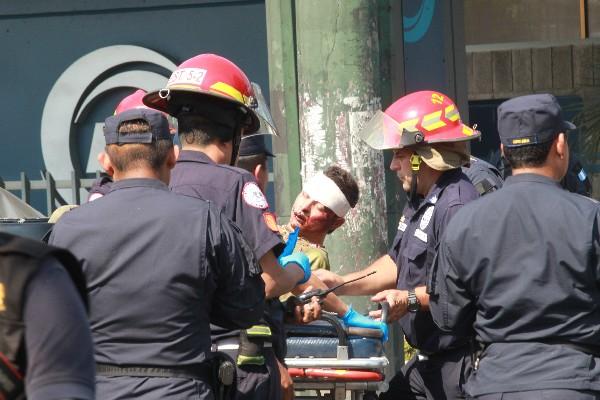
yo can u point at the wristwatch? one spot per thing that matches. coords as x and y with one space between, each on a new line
413 302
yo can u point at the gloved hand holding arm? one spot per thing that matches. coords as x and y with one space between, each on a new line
355 319
297 259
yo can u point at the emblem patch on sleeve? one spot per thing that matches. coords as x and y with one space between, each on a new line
426 218
271 221
253 196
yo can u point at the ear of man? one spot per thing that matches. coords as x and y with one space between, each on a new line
561 146
171 159
106 163
257 171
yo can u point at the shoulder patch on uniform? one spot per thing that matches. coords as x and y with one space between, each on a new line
421 235
253 196
271 221
426 217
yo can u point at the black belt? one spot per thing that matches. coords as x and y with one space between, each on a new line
590 349
201 372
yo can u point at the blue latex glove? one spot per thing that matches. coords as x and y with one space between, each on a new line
298 258
291 243
352 318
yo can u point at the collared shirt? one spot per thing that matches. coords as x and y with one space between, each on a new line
159 268
232 190
522 266
419 231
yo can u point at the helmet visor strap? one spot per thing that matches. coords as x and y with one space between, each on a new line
415 166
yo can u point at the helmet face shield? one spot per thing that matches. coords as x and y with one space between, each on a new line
383 132
261 109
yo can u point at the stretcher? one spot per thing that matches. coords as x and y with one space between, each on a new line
327 358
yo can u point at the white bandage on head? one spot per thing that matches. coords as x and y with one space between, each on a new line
322 189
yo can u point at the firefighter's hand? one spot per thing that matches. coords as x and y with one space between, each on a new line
329 278
305 313
287 384
398 301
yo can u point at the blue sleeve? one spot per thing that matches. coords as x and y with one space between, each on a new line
60 357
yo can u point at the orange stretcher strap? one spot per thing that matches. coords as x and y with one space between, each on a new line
331 374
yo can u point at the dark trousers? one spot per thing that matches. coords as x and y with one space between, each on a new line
550 394
259 382
440 377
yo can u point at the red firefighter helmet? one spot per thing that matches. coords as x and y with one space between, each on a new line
424 117
211 85
134 100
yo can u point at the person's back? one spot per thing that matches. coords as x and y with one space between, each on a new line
521 267
141 261
538 290
152 292
196 175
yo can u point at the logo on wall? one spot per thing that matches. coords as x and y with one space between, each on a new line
87 79
416 27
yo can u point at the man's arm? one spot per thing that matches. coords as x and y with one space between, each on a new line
239 296
60 356
279 280
451 305
384 278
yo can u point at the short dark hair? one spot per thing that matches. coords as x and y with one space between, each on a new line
250 162
533 155
199 130
345 181
129 155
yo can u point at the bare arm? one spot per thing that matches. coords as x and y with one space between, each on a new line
331 302
278 280
385 278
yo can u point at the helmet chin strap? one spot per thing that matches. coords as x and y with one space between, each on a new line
415 165
235 143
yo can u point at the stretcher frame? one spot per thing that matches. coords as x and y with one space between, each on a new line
338 387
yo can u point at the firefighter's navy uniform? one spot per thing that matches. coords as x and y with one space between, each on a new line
484 176
443 358
235 192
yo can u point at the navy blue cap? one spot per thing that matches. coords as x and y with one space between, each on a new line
159 127
531 119
254 145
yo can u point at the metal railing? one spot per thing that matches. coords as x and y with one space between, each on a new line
53 198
